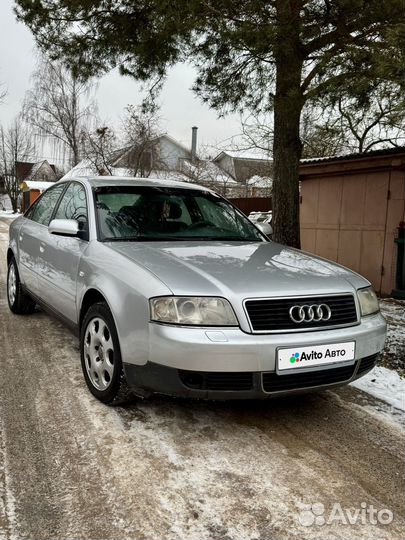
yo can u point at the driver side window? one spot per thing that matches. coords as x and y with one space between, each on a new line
41 211
74 205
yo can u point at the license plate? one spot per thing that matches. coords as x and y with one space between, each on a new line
317 355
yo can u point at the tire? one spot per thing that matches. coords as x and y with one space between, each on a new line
101 356
19 301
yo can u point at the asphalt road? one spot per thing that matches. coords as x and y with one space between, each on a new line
71 467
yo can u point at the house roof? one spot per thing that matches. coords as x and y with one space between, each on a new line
119 154
176 142
252 154
207 171
85 169
26 170
347 157
23 169
260 181
32 184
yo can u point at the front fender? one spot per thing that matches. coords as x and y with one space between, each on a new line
14 231
126 288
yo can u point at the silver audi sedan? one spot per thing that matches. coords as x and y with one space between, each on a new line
174 291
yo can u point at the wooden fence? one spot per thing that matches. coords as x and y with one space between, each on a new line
252 204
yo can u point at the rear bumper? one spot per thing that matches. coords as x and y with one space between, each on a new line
155 378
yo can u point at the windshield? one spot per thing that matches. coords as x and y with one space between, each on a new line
163 213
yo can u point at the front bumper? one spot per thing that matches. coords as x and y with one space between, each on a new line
154 378
231 349
208 363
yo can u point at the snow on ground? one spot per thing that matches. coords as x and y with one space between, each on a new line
8 214
394 352
384 384
388 385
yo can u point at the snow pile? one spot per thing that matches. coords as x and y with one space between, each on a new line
260 181
251 153
394 352
384 384
8 214
5 203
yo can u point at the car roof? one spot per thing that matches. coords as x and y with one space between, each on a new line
105 181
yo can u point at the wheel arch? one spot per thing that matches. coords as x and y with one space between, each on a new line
10 255
91 297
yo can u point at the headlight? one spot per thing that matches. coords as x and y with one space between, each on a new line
368 301
189 310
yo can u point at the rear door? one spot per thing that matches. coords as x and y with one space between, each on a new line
30 234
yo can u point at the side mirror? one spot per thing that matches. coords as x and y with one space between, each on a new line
64 227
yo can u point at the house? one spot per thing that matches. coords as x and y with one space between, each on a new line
41 171
33 179
233 174
160 157
161 153
251 169
25 174
207 173
351 210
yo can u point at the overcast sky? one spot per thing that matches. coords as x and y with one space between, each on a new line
180 108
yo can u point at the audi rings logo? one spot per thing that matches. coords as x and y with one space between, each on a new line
307 314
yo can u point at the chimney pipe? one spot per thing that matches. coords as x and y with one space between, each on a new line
194 143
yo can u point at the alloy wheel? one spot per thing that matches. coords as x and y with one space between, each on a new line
12 284
99 353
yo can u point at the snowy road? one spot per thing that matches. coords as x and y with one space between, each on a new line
73 468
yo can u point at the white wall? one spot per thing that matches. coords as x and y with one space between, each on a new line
170 154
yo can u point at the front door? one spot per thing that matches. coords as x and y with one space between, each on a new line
34 226
62 254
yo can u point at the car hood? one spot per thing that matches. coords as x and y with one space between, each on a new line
238 269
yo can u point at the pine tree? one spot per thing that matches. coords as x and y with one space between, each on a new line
250 54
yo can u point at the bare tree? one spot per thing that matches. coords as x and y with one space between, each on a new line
380 123
257 133
207 173
60 106
319 137
15 145
140 129
98 148
345 125
3 92
340 126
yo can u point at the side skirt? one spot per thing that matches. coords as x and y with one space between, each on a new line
73 327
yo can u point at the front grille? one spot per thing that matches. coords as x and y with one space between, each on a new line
220 381
366 364
272 382
272 315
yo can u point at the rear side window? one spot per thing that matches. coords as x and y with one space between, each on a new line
73 204
43 209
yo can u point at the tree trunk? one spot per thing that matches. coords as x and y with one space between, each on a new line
287 146
14 202
75 153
